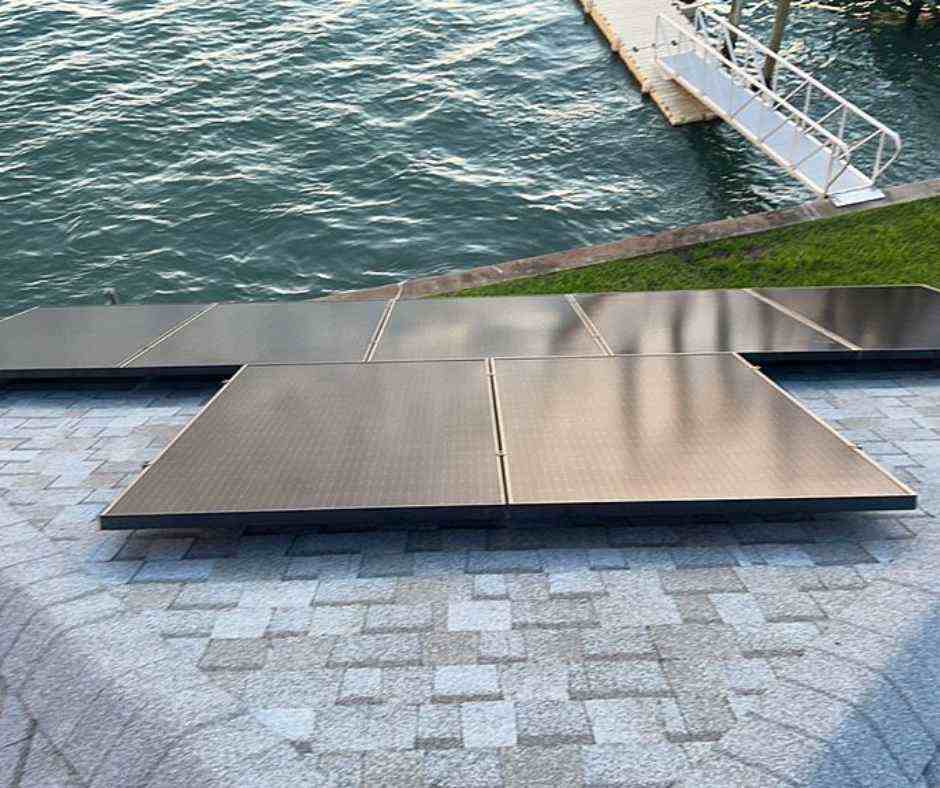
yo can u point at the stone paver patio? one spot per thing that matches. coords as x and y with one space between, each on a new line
754 651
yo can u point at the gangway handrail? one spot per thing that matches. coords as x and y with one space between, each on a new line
719 41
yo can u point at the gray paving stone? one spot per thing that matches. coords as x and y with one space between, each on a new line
355 592
701 581
783 752
408 686
488 724
189 571
606 558
300 653
341 620
789 607
387 565
691 641
241 623
351 543
737 608
439 726
307 688
700 688
554 614
451 648
853 740
482 562
772 640
542 723
544 767
620 643
365 727
463 768
479 616
393 769
544 645
831 553
536 681
490 587
640 558
342 770
464 683
297 593
632 764
292 723
398 618
502 647
628 720
598 680
234 655
364 651
576 584
696 609
748 676
323 566
882 705
289 621
528 587
361 685
440 564
249 570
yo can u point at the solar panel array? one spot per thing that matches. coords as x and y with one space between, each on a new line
328 443
286 444
628 402
155 339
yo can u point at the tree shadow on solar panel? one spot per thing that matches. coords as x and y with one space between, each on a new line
905 317
698 321
484 327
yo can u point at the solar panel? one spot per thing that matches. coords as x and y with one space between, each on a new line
482 327
61 340
657 434
301 444
230 335
874 318
698 321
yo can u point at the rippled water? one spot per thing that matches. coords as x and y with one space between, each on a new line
204 150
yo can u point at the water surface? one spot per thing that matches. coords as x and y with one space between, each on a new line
188 150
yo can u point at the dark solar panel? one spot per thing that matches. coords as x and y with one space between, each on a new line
276 332
285 444
481 327
64 339
698 321
874 318
673 433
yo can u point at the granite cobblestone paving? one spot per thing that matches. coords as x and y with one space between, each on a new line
449 654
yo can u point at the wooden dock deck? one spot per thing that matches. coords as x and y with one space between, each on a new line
630 27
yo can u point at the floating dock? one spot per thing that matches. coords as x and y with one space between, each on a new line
630 27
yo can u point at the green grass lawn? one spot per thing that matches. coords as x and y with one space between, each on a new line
897 244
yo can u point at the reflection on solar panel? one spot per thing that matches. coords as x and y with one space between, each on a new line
75 339
285 444
874 318
482 327
698 321
673 433
295 332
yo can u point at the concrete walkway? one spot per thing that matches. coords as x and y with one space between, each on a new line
762 651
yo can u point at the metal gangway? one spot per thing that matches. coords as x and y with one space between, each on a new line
832 146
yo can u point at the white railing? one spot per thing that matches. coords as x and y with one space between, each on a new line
847 136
